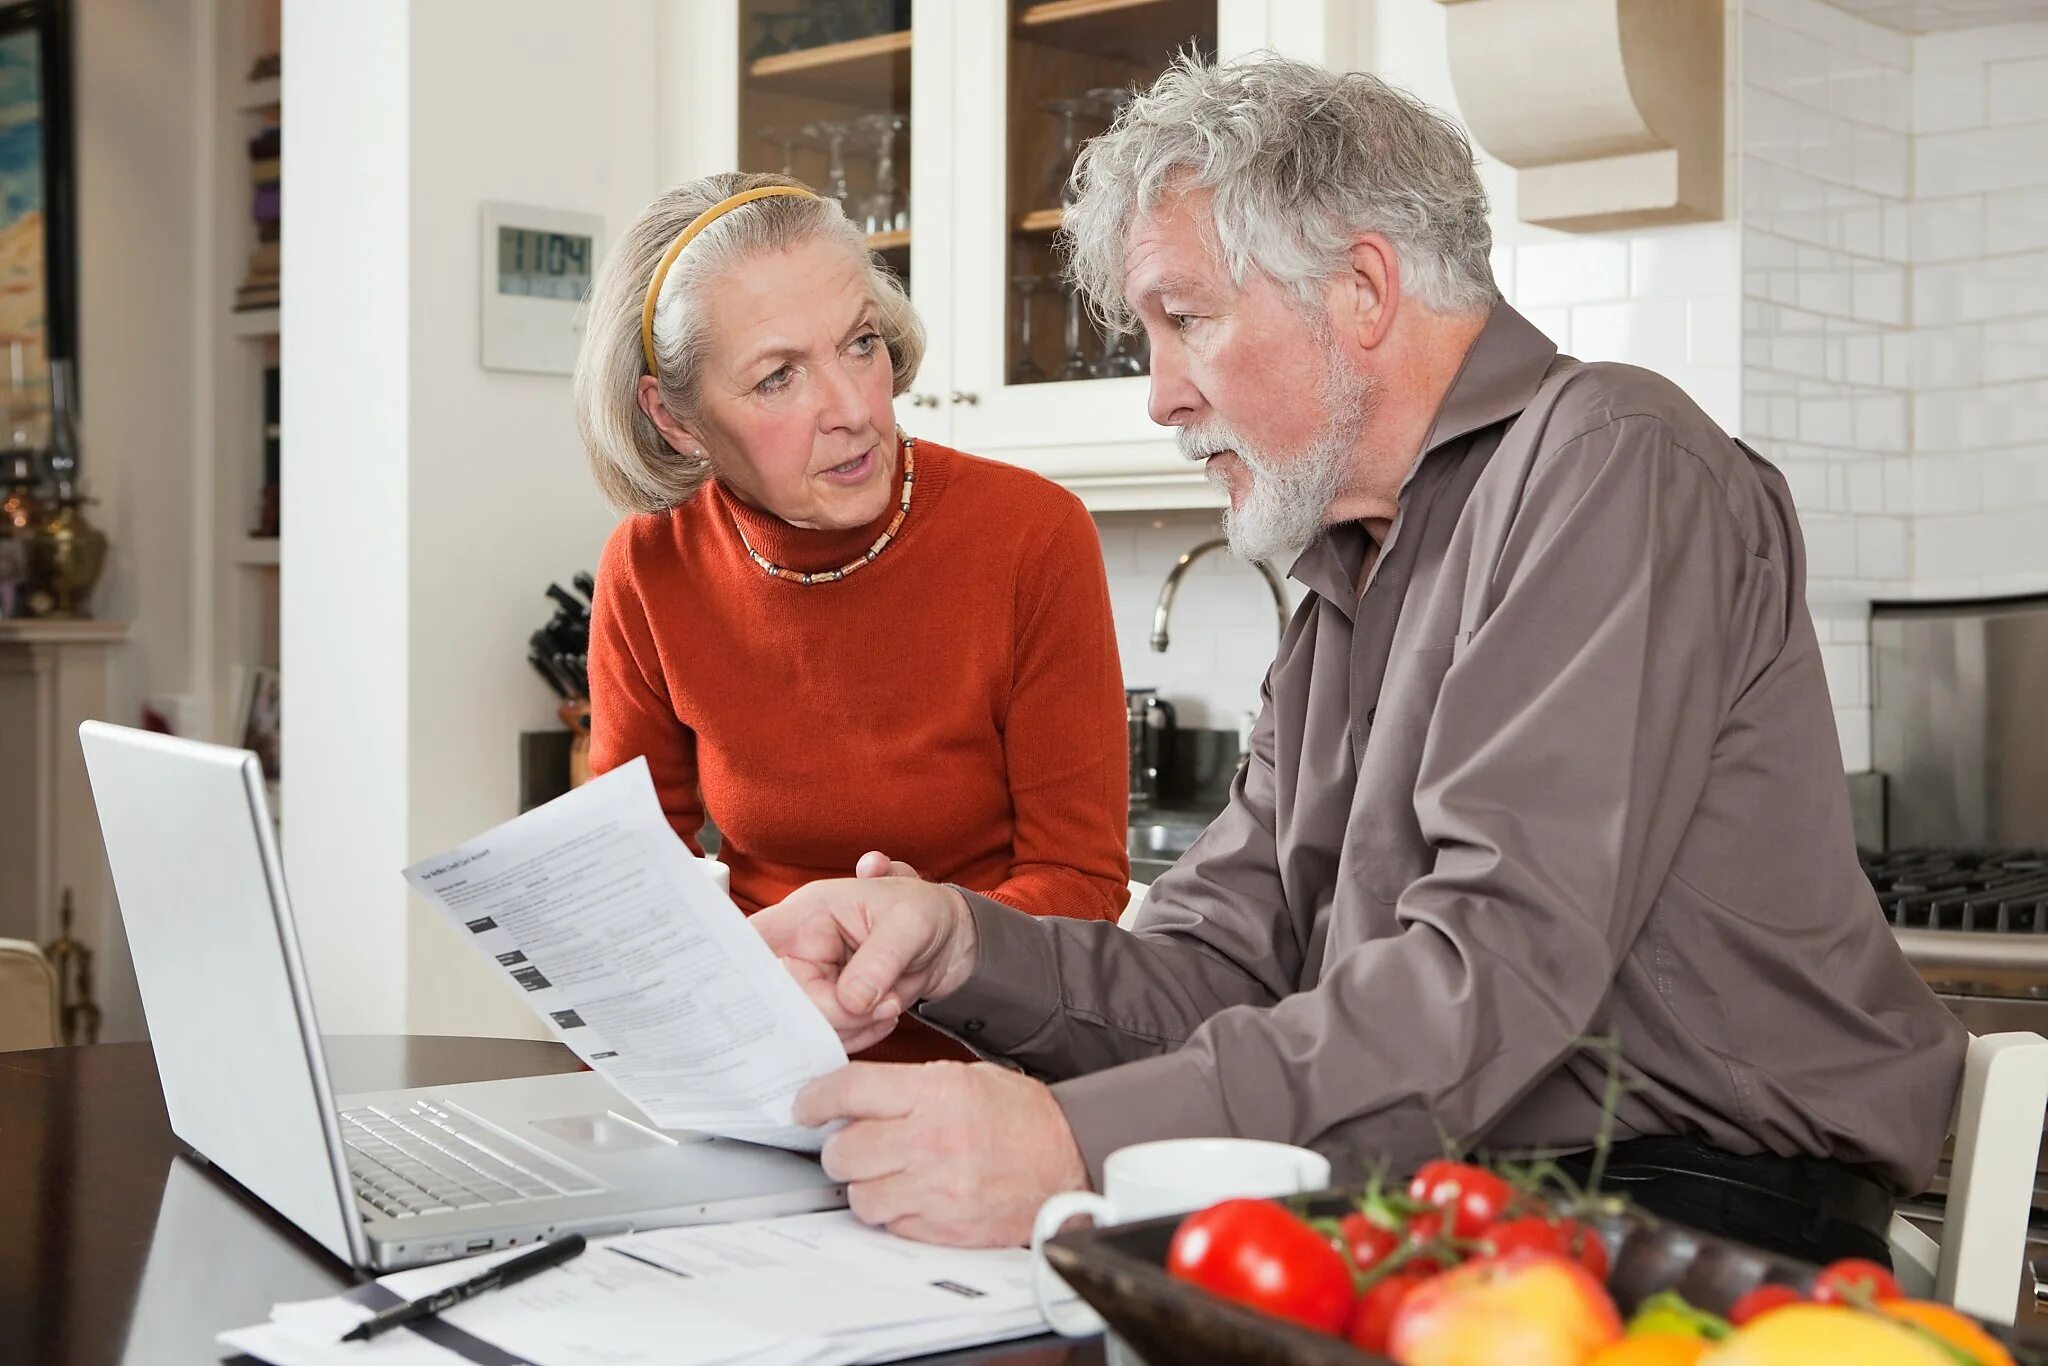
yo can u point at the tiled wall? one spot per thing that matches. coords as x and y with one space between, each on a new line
1980 311
1223 629
1895 310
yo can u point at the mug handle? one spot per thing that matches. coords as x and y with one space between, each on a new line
1064 1313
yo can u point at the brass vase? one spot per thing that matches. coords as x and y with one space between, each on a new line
66 558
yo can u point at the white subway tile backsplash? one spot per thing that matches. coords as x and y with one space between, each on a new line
1848 669
2019 91
1828 422
1881 547
1880 422
1977 291
1852 728
1592 270
2000 158
1947 484
1865 480
1948 357
1713 331
2016 349
1948 98
1830 545
1981 46
1878 294
1650 333
2016 220
2016 479
1683 263
1947 229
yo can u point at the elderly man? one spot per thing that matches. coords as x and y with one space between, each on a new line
1546 752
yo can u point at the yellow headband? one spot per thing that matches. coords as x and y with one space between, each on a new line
675 249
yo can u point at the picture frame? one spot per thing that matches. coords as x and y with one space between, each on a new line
38 219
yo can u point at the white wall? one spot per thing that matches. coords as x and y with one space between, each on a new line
430 500
137 74
509 103
1666 298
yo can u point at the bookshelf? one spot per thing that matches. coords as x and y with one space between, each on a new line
240 429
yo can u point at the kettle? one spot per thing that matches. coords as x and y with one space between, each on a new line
1149 719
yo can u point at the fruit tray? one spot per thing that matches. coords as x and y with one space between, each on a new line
1121 1272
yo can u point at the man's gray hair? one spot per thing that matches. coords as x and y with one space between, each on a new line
1299 162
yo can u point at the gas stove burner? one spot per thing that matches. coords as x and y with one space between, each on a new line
1997 891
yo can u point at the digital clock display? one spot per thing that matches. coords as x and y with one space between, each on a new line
543 265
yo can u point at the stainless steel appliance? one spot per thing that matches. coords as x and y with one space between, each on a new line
1959 692
1150 721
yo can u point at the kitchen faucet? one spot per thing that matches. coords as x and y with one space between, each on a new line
1160 638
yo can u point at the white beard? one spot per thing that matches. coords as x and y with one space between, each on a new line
1290 494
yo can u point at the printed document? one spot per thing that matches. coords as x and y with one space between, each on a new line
593 908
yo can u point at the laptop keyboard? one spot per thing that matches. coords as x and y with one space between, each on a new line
429 1158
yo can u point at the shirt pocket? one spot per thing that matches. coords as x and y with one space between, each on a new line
1389 848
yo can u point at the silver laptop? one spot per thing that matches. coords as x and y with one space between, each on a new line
391 1178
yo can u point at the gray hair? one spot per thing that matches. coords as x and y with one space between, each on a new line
1299 161
637 469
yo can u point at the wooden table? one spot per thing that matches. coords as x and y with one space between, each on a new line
117 1248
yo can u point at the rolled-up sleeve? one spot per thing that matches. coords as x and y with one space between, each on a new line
1570 742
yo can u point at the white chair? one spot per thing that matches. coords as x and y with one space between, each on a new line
1976 1265
1138 890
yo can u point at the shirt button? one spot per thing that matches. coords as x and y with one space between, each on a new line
971 1027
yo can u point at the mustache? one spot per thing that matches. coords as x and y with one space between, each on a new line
1201 443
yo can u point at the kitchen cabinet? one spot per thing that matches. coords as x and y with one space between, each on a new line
946 128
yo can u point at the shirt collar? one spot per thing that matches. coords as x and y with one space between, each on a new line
1500 375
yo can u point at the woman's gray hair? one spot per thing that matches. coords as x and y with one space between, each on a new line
1299 162
637 469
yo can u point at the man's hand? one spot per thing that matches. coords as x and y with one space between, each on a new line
945 1152
867 949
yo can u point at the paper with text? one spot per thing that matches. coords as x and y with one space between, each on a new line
593 908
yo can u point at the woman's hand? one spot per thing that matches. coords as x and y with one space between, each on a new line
867 949
875 863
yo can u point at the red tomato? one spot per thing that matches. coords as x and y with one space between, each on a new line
1377 1307
1425 1227
1761 1301
1474 1196
1584 1243
1855 1281
1368 1243
1256 1253
1531 1233
1562 1237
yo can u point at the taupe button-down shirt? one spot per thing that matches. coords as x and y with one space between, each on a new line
1565 766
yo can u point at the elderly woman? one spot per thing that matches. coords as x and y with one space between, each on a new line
834 639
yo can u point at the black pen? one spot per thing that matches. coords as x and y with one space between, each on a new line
548 1254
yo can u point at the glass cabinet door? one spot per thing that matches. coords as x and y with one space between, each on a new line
825 97
1035 375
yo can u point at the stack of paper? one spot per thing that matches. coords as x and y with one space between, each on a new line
593 908
808 1290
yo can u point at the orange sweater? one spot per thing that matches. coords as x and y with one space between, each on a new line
956 704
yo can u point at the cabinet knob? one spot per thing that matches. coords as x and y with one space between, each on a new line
969 399
924 400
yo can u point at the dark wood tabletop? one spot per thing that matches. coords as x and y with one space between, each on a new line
117 1248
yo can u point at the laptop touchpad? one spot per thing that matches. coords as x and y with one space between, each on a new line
608 1132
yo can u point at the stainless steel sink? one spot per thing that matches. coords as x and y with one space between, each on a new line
1163 840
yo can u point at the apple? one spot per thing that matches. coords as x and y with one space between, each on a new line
1531 1308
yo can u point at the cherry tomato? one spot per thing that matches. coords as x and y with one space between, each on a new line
1584 1244
1531 1233
1855 1281
1423 1228
1474 1196
1761 1301
1561 1237
1368 1243
1377 1307
1256 1253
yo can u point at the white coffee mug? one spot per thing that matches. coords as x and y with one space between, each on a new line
720 875
1153 1180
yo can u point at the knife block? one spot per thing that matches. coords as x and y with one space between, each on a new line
576 716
